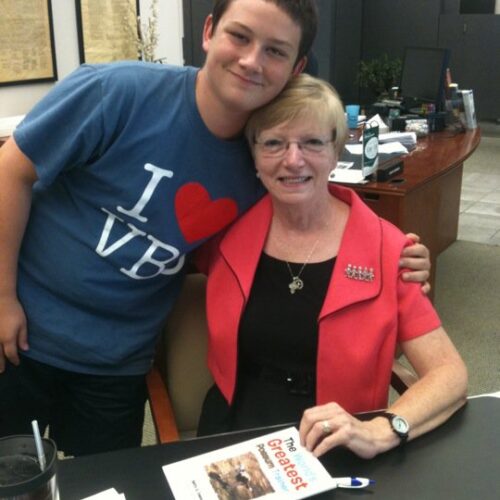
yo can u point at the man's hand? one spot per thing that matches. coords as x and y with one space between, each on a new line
13 331
416 258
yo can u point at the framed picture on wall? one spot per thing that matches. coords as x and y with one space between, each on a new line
27 52
107 30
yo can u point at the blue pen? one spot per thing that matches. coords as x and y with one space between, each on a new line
353 482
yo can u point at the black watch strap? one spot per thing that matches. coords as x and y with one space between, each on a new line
399 425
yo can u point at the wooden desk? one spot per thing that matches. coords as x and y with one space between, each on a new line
425 198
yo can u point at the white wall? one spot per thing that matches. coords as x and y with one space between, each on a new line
19 99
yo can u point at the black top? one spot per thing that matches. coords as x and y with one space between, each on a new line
278 328
277 350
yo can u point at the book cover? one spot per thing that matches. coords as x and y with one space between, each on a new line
273 466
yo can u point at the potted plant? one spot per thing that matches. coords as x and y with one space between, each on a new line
378 75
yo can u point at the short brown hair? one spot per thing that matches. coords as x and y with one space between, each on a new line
303 96
303 12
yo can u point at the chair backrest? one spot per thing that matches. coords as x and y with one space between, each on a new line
179 381
185 339
181 364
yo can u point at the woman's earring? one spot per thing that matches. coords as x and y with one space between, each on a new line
257 175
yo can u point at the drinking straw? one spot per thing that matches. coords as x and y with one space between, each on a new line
39 445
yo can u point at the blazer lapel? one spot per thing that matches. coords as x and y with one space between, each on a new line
243 244
360 247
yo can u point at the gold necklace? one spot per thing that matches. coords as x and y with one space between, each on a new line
297 283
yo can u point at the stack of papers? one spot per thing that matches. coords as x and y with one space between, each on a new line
388 148
408 139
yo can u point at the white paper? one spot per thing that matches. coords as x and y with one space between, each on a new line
275 466
382 127
110 494
344 164
354 149
347 176
406 137
391 148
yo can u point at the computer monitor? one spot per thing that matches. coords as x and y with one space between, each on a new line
423 76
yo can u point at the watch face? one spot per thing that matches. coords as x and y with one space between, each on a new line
400 424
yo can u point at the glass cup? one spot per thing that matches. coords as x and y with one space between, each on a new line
352 111
20 475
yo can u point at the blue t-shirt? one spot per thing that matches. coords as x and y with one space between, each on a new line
130 180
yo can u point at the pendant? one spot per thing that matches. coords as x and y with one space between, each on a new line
295 284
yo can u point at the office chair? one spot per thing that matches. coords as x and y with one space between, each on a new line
179 380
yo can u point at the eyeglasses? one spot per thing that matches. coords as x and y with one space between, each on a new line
278 147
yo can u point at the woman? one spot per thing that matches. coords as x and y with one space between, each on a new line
304 302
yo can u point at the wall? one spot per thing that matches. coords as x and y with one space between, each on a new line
389 26
19 99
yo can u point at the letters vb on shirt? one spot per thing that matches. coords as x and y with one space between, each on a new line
197 215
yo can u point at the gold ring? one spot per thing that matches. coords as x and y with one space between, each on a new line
326 427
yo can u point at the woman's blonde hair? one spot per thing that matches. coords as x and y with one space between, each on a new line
303 97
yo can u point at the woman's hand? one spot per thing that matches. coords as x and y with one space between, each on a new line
416 258
328 426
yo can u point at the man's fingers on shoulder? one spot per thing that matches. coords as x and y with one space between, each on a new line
413 264
416 250
413 236
416 276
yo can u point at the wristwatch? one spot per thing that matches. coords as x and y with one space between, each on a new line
399 425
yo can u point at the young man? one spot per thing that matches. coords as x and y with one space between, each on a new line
109 182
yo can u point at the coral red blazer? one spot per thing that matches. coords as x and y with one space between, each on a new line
360 321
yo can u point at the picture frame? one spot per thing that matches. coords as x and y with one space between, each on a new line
107 30
27 41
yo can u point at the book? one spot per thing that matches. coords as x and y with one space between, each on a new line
469 110
273 466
